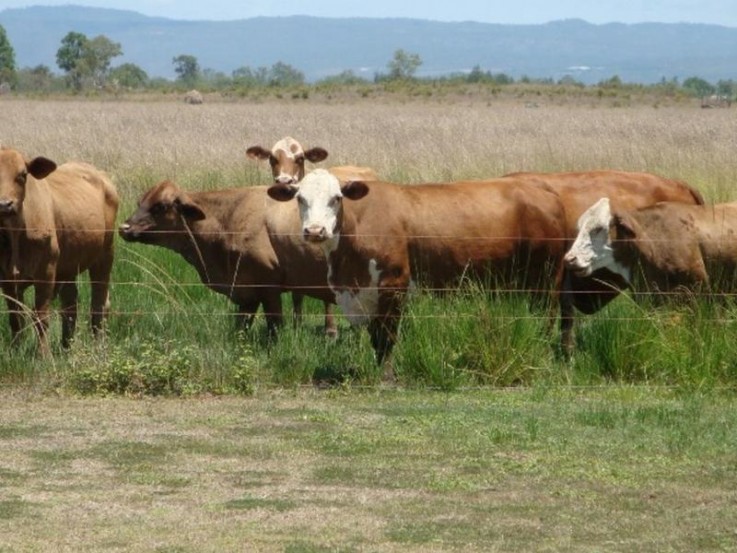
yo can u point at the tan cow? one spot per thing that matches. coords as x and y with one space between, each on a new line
378 236
56 222
662 248
287 159
242 244
578 191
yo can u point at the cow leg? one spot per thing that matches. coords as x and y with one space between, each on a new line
331 328
100 293
14 300
44 294
297 303
68 293
383 329
245 315
273 312
567 316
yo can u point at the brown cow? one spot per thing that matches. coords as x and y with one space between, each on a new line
434 233
578 191
242 244
57 222
662 248
287 159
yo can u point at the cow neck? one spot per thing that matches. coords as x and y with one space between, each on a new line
205 243
344 254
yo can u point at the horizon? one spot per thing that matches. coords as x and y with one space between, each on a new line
524 12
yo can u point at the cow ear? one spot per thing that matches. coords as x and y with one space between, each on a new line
354 190
282 192
258 152
316 154
623 227
41 167
189 209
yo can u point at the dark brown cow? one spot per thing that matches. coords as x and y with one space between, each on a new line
578 191
56 222
667 247
242 244
287 159
434 233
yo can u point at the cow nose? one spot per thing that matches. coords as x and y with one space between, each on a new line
570 260
124 228
285 179
7 206
314 233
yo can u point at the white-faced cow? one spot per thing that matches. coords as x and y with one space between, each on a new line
242 244
287 160
55 223
578 191
386 234
668 247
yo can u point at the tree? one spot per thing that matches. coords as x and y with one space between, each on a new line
83 58
98 53
129 75
7 58
283 74
37 78
187 69
698 86
69 57
403 65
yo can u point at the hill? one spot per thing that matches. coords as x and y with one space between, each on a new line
320 47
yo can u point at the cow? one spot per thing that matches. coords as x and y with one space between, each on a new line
242 244
387 235
287 159
665 248
579 190
56 222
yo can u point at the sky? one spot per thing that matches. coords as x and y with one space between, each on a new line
720 12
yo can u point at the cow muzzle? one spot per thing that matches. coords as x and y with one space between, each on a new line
285 180
8 207
126 232
315 233
576 265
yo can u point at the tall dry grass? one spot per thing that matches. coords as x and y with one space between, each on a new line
143 142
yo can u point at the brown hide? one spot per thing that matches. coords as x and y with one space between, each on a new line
242 243
437 233
347 173
62 225
579 191
671 247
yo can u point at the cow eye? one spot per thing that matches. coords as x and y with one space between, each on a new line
20 178
273 161
334 201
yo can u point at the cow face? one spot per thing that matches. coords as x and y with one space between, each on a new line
162 215
287 159
599 231
320 199
15 172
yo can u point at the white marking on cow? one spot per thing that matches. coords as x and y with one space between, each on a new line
319 199
363 305
592 250
289 146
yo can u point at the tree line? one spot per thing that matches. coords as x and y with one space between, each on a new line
87 65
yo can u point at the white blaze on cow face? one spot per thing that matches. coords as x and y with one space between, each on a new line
361 306
592 249
320 205
290 158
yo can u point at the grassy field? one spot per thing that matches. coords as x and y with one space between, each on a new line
488 442
540 469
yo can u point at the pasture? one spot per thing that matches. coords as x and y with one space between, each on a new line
629 446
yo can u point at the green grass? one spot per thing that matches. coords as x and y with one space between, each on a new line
536 468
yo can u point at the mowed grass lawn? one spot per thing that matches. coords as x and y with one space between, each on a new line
610 469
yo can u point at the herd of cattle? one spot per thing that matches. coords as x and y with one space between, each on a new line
345 237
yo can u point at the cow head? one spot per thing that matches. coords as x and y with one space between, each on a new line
287 159
163 212
15 173
320 199
600 231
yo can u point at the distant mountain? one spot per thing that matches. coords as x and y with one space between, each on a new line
321 47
